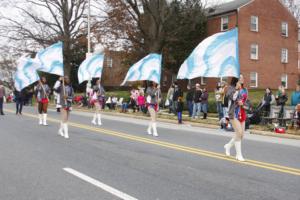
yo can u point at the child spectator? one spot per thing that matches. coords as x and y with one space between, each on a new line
179 110
141 102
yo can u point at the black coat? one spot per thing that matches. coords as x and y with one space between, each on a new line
197 96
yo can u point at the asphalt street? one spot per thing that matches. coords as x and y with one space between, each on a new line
119 160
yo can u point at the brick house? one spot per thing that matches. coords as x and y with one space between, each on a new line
268 41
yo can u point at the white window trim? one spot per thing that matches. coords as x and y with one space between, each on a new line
287 29
256 80
256 20
286 79
222 22
109 62
256 56
202 81
287 56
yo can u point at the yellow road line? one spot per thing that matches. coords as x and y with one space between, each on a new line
259 164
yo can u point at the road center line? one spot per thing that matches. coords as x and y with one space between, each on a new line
97 183
191 150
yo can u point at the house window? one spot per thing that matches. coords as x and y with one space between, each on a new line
254 23
224 79
109 62
224 23
203 80
284 80
253 79
254 52
284 55
284 29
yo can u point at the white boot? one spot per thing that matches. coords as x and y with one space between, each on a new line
154 130
66 131
40 119
238 149
228 146
99 119
94 119
45 119
149 128
61 130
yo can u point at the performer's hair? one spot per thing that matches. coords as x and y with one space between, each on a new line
234 81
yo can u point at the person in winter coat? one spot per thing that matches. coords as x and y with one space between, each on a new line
267 101
176 95
180 109
170 98
197 101
281 99
204 103
20 99
189 100
2 96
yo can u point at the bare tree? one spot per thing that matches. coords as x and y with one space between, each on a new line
144 26
293 7
44 22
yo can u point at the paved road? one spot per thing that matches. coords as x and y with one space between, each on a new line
184 163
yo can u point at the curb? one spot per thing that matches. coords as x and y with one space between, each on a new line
271 134
194 124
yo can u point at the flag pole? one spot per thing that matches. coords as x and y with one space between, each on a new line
89 26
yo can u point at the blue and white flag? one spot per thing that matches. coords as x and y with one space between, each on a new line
91 68
149 68
51 59
26 73
216 56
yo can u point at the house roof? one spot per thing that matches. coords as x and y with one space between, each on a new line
226 7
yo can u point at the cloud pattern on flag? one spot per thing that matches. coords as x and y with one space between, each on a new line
148 68
26 73
216 56
91 68
51 59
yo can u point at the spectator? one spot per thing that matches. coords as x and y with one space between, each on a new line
204 103
141 102
218 97
170 97
114 101
180 109
267 101
19 98
189 100
2 96
197 101
281 99
176 95
224 99
295 99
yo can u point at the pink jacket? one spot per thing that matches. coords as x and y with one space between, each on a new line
141 100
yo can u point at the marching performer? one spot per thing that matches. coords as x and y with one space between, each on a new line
153 93
237 96
42 96
66 93
98 100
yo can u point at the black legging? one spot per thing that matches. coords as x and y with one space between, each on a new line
1 105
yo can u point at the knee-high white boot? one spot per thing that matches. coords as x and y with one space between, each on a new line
40 119
228 146
61 130
94 119
99 119
154 129
238 148
149 128
66 131
45 119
